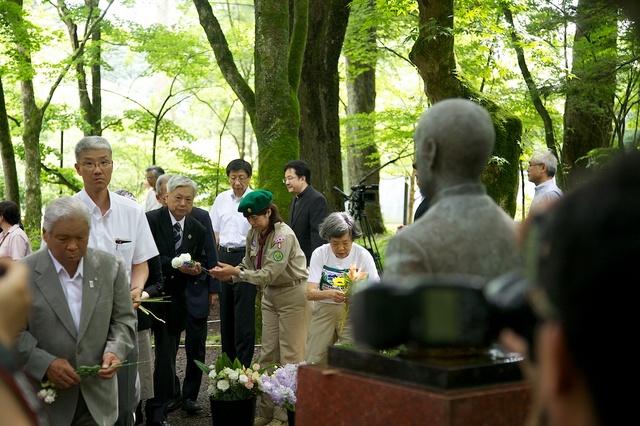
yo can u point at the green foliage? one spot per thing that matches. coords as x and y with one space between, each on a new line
210 177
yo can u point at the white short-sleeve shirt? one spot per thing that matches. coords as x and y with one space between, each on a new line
324 266
232 227
123 230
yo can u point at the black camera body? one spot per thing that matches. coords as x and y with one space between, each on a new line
364 193
441 311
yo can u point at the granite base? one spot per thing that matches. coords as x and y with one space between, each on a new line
330 396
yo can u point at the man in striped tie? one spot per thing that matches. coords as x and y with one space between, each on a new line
175 233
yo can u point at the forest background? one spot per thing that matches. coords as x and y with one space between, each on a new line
190 85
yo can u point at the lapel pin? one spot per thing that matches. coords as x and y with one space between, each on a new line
90 284
189 236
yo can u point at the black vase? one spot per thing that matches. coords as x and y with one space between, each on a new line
291 416
233 413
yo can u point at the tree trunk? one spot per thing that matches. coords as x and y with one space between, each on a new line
591 88
433 54
278 65
319 97
363 159
32 116
433 51
274 110
12 190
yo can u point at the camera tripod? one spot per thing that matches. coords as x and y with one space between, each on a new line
357 211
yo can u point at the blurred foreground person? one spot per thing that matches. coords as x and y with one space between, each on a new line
586 270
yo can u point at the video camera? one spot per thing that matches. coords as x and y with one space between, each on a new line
441 311
363 193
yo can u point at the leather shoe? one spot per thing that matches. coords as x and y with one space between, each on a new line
174 405
191 407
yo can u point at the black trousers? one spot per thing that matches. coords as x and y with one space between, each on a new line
164 371
195 348
237 315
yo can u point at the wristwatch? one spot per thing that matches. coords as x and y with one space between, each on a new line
241 274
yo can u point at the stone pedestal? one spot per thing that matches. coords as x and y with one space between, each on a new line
335 395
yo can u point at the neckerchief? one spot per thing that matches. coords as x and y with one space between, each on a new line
261 241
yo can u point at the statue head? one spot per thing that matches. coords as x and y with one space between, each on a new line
454 140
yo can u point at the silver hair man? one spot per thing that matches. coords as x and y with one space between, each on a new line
66 207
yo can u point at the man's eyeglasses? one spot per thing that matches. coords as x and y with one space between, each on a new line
240 179
289 179
90 165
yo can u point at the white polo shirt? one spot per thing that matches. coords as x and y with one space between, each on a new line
227 221
123 230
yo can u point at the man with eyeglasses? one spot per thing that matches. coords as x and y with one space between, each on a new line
118 226
237 301
542 171
308 208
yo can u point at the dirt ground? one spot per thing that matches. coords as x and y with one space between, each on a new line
203 418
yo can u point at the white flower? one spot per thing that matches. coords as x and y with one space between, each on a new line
47 395
183 259
223 385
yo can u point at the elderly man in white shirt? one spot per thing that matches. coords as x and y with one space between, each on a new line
542 171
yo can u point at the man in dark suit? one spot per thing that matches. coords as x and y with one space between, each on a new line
175 233
200 299
308 207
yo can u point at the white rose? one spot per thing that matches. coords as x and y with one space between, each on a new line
176 262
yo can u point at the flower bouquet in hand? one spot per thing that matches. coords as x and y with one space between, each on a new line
49 391
231 381
183 260
281 385
348 283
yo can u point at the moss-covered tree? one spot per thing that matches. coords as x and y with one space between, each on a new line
433 54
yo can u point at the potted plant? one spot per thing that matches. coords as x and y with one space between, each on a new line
233 391
281 386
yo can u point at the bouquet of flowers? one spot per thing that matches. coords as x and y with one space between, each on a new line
183 259
49 391
231 381
282 384
348 283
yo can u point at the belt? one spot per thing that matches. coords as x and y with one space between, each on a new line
232 249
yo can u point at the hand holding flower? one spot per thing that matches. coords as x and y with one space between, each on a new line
61 374
194 269
337 296
110 365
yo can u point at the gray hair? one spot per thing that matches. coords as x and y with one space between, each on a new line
338 224
548 159
162 179
178 181
156 170
92 142
65 208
